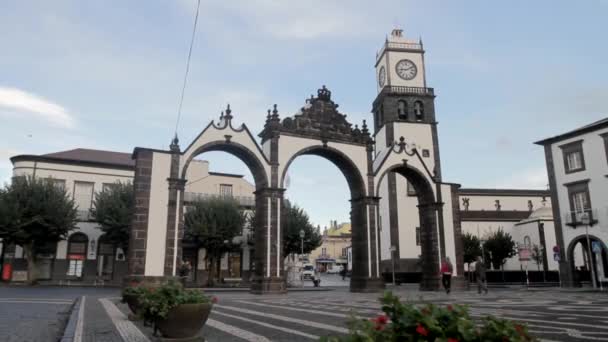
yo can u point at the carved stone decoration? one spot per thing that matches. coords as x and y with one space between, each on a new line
320 119
465 203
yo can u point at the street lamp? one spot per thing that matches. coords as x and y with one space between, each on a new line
302 234
393 250
586 221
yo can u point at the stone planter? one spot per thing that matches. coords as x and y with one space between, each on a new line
185 321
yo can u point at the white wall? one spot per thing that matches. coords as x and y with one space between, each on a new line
157 216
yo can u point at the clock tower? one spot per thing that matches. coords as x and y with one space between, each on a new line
404 105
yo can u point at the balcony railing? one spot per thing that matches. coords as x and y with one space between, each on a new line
409 90
401 46
246 201
83 215
587 217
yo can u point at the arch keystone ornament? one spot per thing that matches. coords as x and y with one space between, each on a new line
320 129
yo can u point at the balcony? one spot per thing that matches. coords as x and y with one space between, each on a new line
83 215
245 201
587 217
409 90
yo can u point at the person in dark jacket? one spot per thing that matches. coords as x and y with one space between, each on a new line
480 272
446 274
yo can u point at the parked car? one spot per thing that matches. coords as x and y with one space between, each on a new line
335 269
308 270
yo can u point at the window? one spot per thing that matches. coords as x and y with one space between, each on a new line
108 186
417 236
59 183
402 110
77 252
419 110
605 137
527 242
226 190
344 252
578 193
83 197
324 251
574 159
105 257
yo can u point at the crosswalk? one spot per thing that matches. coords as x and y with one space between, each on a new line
308 317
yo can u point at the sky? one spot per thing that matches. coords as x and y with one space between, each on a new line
108 75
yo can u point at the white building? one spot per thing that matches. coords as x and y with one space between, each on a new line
85 256
577 165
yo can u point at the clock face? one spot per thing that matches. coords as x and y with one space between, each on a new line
381 77
406 69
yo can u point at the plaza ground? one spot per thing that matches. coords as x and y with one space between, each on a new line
41 313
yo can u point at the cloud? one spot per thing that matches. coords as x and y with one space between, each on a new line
534 178
26 104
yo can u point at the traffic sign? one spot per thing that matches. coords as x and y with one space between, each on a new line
524 253
556 257
596 247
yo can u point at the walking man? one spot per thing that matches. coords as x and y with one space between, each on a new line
480 272
446 274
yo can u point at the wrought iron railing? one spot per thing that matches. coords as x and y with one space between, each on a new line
409 90
248 201
403 46
586 217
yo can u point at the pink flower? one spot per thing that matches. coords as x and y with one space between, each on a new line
421 330
382 319
450 308
451 339
214 300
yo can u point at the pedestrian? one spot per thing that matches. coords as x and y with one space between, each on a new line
480 272
316 278
446 274
343 272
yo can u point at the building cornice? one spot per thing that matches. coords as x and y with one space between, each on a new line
67 161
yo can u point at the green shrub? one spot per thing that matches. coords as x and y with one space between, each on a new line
407 322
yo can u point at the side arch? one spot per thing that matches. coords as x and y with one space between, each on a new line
254 164
353 176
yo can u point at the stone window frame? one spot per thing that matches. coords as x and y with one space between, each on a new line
84 213
604 137
573 188
569 148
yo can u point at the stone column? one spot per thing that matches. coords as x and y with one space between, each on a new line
365 246
139 226
268 273
175 224
429 243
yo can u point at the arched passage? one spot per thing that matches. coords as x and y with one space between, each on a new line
428 220
580 262
362 216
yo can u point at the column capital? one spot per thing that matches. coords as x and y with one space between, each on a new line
370 200
431 205
271 192
177 183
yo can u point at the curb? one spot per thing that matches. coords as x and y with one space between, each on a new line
69 333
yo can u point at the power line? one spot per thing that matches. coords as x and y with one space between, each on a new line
181 100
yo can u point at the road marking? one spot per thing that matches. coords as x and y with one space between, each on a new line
271 326
80 322
296 309
127 330
286 319
232 330
34 302
39 299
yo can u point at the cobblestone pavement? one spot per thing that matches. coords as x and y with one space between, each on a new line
38 313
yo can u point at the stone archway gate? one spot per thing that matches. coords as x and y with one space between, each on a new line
317 129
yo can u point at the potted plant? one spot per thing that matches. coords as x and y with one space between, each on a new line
407 322
176 312
131 295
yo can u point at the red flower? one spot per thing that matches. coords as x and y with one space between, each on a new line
421 330
214 299
451 339
450 308
379 327
519 329
382 319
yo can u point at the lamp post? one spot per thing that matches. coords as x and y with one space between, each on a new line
586 221
302 234
393 250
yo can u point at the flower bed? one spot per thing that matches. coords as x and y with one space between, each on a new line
407 322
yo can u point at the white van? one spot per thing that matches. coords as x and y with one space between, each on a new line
308 270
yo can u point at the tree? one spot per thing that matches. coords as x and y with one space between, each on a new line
471 249
499 247
294 219
35 212
113 209
212 223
